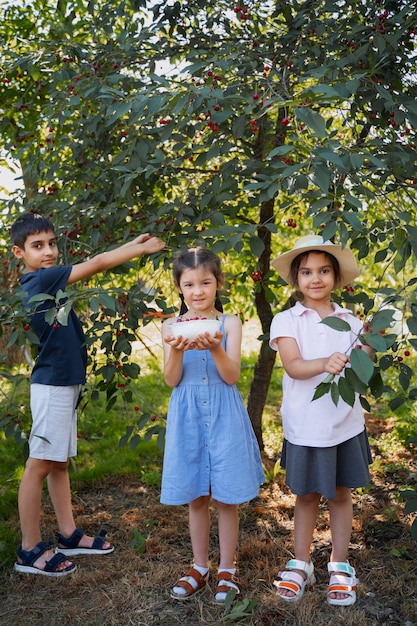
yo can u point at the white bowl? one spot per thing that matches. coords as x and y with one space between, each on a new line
190 329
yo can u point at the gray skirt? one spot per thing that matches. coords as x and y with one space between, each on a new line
321 470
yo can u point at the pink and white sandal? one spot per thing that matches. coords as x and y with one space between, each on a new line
344 581
293 581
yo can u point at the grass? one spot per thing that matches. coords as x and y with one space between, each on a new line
99 452
118 489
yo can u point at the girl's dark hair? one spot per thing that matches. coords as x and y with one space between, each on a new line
26 225
190 260
295 265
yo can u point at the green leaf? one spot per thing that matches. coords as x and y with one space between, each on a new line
50 316
365 404
410 506
322 176
362 365
329 231
336 323
312 119
280 151
414 529
395 403
405 376
107 301
377 342
412 325
94 304
382 320
63 313
329 155
412 232
12 339
346 391
321 390
409 494
353 220
257 246
334 392
376 384
40 297
134 442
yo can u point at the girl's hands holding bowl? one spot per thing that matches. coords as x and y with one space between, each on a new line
202 341
206 341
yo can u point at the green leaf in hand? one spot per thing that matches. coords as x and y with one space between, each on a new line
362 365
334 392
346 391
321 390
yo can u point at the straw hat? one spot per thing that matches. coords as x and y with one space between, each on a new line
347 263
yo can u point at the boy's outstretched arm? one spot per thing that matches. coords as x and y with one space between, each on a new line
144 244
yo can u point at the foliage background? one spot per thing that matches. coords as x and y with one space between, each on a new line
241 127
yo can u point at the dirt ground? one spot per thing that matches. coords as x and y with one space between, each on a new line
131 586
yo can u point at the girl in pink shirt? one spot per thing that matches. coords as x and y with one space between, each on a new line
325 449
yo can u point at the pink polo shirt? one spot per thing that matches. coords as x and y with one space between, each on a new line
319 423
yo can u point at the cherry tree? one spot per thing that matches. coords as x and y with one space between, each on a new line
241 127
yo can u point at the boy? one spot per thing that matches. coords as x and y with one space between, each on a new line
58 373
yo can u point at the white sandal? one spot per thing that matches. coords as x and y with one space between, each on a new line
293 581
343 581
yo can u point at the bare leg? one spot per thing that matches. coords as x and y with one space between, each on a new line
341 514
199 523
228 533
228 538
305 516
30 495
60 493
199 520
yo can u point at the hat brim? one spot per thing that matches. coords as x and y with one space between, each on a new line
347 262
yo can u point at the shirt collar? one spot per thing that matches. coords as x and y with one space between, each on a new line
299 309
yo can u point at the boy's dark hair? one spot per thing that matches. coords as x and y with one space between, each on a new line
26 225
190 260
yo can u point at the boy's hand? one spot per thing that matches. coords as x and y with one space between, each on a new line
149 243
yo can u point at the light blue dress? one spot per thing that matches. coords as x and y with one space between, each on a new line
210 444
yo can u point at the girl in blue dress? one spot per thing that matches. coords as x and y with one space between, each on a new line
211 451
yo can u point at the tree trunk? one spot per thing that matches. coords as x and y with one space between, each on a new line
259 389
266 358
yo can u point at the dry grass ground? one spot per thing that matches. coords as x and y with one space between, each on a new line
129 588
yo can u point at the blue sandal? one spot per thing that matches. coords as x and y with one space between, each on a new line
28 558
70 545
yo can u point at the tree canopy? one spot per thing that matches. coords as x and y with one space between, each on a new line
241 127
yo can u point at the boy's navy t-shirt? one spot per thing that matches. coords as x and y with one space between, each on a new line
62 357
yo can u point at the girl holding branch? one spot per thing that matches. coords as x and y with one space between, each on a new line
325 450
